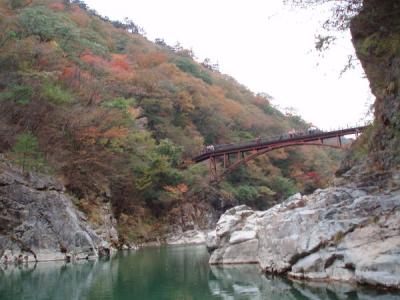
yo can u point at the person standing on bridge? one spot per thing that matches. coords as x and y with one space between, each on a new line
312 130
210 148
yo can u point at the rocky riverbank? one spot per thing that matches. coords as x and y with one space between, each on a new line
190 237
246 279
38 221
340 233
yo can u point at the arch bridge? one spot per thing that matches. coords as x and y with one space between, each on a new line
232 156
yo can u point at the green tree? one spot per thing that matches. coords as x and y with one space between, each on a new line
21 94
14 4
56 94
173 153
284 187
26 152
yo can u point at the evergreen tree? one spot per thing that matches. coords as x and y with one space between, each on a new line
26 152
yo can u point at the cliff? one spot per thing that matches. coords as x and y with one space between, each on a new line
376 38
39 222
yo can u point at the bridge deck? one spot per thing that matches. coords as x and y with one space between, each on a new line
225 149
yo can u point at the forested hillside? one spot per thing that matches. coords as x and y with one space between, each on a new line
114 115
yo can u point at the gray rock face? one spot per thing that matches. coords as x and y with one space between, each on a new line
38 222
339 233
190 237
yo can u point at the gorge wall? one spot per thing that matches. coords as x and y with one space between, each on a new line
38 221
376 38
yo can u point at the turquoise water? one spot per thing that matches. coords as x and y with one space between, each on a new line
162 273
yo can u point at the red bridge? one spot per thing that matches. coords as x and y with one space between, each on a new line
234 155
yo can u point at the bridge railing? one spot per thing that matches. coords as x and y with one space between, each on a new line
276 138
265 140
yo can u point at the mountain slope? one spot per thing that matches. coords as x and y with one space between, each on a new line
114 115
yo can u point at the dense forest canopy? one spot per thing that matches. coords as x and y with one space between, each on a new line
113 115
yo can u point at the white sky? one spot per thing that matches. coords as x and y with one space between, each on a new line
264 45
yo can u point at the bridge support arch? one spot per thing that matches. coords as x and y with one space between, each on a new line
241 158
231 156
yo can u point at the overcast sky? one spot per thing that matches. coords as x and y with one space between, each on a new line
263 44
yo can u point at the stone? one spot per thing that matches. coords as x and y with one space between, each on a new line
340 233
212 240
225 223
242 253
242 236
190 237
39 221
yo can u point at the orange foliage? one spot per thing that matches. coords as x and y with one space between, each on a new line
181 188
231 108
57 6
89 135
119 62
71 75
152 59
79 16
120 67
148 80
260 101
116 132
169 70
185 101
93 60
86 75
68 72
278 154
134 112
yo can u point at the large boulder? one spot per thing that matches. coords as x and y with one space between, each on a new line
38 221
340 233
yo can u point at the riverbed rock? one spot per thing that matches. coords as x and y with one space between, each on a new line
212 240
190 237
38 221
242 236
340 233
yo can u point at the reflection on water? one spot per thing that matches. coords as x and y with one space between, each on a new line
162 273
246 282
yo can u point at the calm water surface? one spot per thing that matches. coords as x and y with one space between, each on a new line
163 273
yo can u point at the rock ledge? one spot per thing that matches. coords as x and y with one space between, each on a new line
340 233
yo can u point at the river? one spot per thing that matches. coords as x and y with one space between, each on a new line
162 273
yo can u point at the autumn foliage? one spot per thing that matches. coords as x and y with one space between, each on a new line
115 115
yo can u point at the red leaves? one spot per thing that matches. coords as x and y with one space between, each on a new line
119 62
312 175
68 72
57 6
93 60
120 67
116 132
